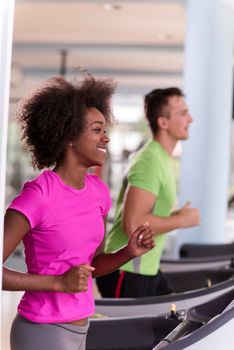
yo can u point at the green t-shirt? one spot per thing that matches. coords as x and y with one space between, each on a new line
151 169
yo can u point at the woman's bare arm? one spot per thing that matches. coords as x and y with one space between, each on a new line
16 226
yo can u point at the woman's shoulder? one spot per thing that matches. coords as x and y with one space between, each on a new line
41 184
97 181
100 191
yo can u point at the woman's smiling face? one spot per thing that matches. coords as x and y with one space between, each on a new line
91 146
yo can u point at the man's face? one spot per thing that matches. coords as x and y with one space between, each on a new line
179 118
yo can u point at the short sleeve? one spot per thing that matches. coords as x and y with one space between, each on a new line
107 201
30 203
147 175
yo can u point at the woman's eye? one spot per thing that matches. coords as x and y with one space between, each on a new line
97 130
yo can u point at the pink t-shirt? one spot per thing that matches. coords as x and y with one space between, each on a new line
66 229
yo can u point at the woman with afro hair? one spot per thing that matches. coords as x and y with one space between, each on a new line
60 215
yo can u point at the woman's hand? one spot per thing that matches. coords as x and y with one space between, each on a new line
141 241
75 280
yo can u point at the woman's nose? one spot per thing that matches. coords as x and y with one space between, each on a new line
106 138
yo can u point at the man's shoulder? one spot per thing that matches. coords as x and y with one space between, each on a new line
147 157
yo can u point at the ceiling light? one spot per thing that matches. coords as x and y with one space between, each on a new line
108 6
163 36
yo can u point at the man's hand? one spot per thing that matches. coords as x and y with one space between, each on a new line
189 216
141 241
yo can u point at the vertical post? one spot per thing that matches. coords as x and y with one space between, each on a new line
208 90
63 65
6 33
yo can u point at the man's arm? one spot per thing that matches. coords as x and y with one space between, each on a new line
138 207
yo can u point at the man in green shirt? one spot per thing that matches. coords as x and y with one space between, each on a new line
148 194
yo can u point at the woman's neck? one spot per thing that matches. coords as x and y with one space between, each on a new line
71 176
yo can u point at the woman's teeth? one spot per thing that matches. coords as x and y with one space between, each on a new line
102 149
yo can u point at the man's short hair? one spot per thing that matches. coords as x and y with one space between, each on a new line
155 102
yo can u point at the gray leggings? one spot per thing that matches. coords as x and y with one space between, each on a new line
26 335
